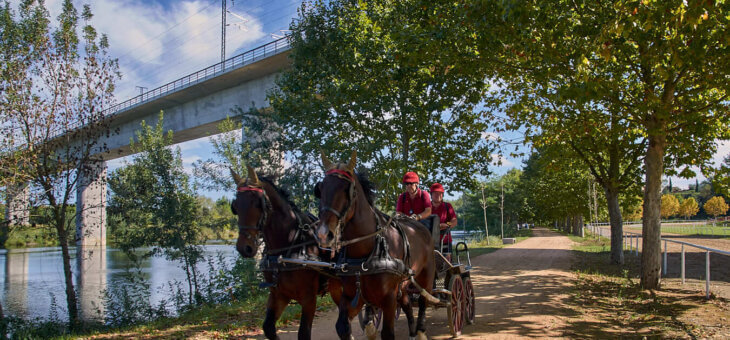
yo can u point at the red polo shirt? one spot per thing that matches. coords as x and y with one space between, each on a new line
446 213
416 206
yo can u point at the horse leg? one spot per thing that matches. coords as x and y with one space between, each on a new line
421 325
389 306
405 304
343 320
371 330
309 306
275 305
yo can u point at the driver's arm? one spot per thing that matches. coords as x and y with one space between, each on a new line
426 213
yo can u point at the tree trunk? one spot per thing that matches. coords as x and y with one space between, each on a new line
578 225
617 226
73 312
651 244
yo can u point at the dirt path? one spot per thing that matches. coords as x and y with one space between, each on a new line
520 293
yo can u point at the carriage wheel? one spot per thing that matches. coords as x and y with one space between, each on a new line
470 306
458 300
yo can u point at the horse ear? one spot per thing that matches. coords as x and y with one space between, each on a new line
325 161
353 161
252 177
236 177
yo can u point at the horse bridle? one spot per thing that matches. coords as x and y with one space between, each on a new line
266 210
351 195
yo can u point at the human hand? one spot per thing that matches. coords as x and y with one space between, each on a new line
414 216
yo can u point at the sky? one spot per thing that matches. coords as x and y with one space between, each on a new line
158 41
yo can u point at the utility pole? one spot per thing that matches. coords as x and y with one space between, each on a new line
501 207
484 209
223 30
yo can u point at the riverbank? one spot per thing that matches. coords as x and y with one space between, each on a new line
38 236
234 319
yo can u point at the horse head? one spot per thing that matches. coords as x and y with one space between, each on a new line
336 193
252 206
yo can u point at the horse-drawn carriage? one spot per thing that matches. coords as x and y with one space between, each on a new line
452 286
368 258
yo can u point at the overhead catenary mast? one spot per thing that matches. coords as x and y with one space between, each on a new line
241 25
223 30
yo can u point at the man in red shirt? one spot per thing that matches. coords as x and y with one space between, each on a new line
414 203
446 214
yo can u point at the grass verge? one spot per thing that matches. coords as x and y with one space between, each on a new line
495 243
225 321
611 304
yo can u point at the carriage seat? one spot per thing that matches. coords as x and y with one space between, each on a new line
432 224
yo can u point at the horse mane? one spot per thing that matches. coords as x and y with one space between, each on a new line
367 186
281 192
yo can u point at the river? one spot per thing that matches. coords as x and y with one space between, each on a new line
33 278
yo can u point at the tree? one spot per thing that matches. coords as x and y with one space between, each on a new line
670 205
55 86
350 87
716 206
155 204
659 67
554 186
689 208
635 210
228 152
721 177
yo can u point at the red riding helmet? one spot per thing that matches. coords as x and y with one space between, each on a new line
437 187
410 177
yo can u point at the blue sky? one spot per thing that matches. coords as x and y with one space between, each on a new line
158 41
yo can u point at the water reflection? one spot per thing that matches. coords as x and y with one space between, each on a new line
16 283
34 286
91 281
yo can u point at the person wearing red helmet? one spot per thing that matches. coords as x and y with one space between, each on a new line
446 214
414 202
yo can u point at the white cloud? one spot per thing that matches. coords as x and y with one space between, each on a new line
490 136
157 44
723 150
194 144
505 162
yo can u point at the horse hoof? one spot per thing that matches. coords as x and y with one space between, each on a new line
421 335
370 331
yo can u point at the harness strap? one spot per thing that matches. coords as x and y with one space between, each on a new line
250 188
358 239
295 246
340 172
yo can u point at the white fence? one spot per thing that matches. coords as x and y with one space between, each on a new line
631 242
686 227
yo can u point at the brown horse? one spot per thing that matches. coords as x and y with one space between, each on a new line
380 257
263 208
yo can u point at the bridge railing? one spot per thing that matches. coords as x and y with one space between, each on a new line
238 61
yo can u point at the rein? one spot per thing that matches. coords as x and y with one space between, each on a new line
377 232
301 227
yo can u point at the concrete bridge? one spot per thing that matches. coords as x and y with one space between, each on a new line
193 106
